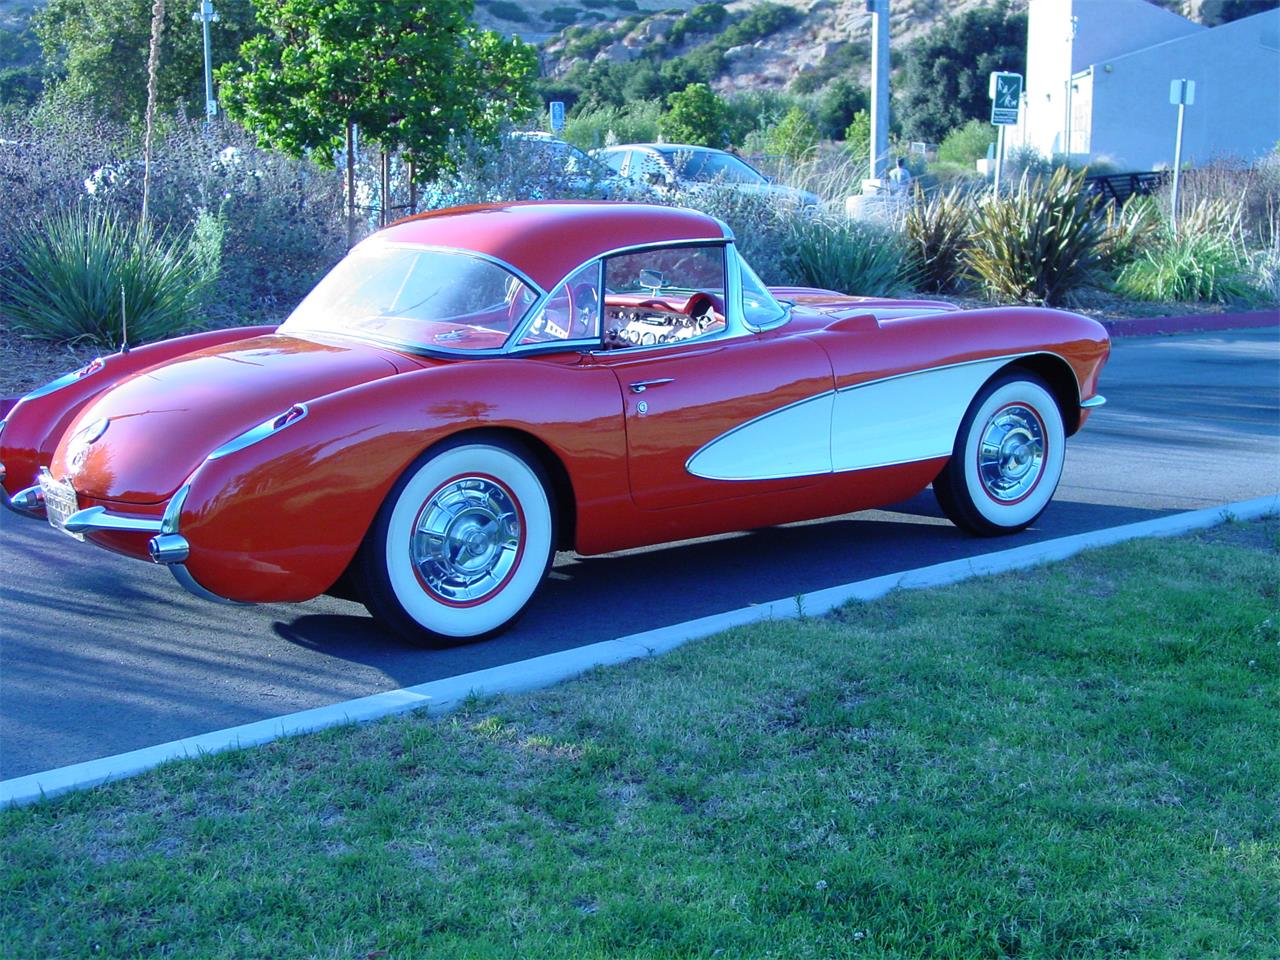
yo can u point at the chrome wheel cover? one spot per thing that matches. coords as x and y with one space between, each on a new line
467 540
1011 453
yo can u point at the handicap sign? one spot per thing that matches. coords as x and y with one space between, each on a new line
1006 98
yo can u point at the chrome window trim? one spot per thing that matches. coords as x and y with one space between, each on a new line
413 347
784 306
460 251
512 344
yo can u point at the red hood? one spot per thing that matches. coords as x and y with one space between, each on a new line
164 421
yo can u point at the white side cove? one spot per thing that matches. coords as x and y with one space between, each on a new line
901 419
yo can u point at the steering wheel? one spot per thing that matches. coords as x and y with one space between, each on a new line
584 311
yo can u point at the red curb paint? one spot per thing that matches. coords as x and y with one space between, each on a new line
1147 326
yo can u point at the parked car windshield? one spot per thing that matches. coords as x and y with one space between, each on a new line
416 297
706 165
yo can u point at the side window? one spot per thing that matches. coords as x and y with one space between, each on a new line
572 312
647 168
614 159
664 295
759 308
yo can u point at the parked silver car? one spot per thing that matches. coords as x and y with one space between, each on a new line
683 166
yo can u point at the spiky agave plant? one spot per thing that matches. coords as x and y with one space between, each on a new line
937 232
69 270
1040 243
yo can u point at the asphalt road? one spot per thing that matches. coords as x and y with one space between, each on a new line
99 654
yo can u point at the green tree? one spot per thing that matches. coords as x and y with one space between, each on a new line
410 75
945 72
840 103
857 136
697 117
97 50
794 137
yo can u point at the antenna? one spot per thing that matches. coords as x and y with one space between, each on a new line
124 324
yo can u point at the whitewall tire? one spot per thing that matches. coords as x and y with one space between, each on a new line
1007 459
461 544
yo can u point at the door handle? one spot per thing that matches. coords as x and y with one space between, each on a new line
640 386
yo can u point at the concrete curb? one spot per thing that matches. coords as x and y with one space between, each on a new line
443 696
1196 323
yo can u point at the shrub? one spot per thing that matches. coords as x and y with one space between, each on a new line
838 105
1190 267
697 117
850 256
1131 230
967 143
73 270
506 10
637 122
937 234
1039 244
283 219
751 111
794 137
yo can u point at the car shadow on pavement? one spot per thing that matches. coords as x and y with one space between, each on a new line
589 599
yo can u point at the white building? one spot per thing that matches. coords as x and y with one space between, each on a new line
1098 74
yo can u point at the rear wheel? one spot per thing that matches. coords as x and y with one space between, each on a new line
1007 458
460 545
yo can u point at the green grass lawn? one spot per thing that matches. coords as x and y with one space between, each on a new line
1077 761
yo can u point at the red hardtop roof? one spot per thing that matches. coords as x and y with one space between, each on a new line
547 239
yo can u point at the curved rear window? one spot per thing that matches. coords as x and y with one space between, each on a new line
416 297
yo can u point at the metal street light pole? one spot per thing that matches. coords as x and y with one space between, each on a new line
205 16
879 10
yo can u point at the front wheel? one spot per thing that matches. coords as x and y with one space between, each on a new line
1007 458
460 545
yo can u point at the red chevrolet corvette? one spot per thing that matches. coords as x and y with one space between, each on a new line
471 389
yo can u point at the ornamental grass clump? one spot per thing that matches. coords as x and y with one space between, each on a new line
937 234
72 271
1039 244
1206 261
850 256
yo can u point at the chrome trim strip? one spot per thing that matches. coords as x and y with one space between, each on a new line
169 522
94 519
184 577
255 434
66 380
1097 400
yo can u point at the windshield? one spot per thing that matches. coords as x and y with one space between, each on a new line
705 165
416 297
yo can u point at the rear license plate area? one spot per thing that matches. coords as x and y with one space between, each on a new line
60 502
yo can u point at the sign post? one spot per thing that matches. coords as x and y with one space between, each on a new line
557 116
1182 93
1005 92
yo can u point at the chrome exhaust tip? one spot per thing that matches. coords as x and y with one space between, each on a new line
169 548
